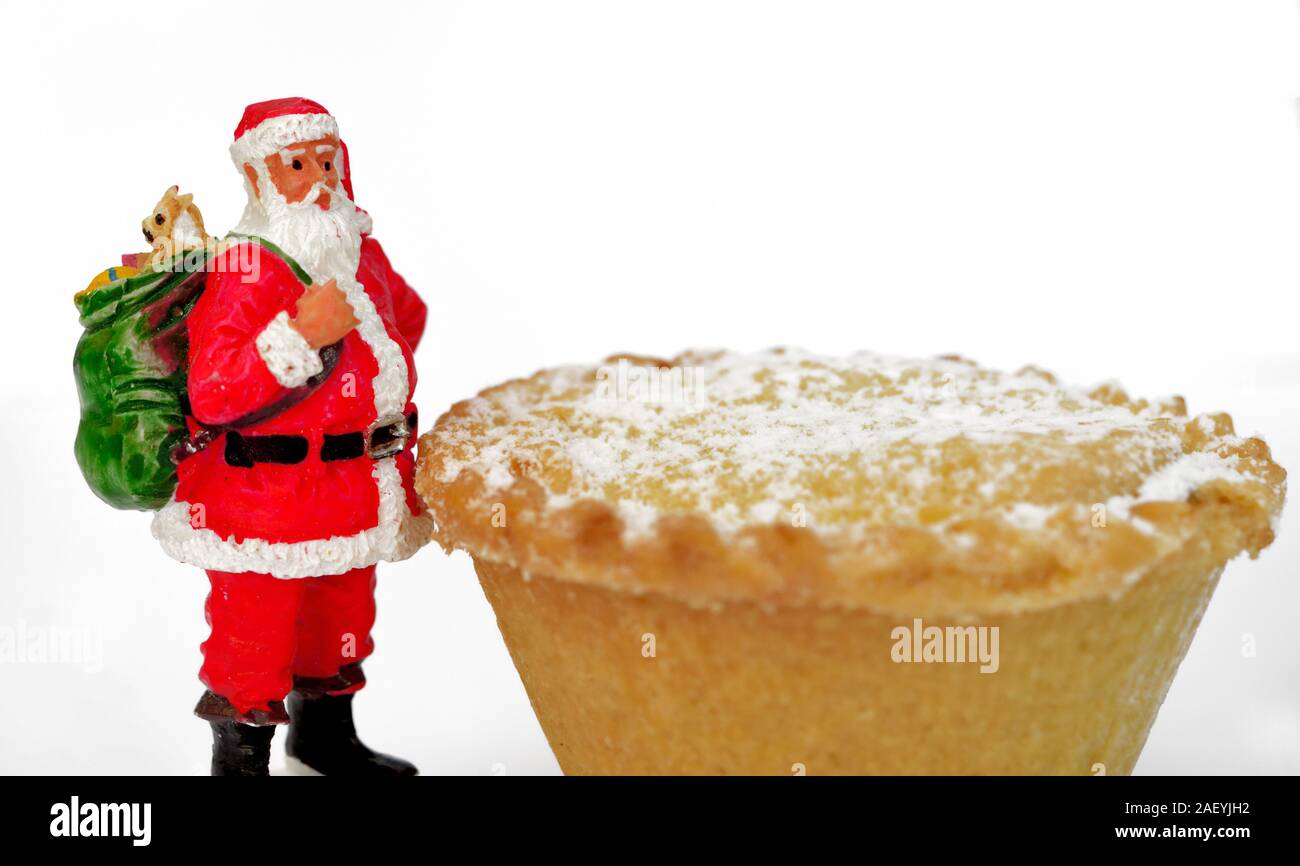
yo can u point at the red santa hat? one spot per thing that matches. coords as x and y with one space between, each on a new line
267 127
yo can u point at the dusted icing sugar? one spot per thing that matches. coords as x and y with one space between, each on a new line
1175 481
788 436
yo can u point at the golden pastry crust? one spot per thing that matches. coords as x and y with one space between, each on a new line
753 690
867 482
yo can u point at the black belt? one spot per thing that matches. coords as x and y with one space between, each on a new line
384 438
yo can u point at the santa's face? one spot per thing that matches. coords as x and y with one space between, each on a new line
297 201
297 168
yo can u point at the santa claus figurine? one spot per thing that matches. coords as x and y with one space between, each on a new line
298 480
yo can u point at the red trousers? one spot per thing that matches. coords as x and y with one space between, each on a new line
267 632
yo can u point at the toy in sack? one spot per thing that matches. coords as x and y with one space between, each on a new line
130 362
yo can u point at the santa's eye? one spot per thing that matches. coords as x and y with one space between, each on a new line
327 165
158 218
297 165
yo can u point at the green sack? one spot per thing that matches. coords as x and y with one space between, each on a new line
130 367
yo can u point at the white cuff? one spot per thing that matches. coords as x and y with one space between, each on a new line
286 353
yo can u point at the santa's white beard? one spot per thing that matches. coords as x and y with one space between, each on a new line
326 243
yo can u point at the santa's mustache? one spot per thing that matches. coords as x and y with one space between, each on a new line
338 197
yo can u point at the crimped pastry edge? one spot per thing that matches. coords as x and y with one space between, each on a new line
968 568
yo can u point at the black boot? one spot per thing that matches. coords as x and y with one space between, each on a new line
240 750
322 736
241 742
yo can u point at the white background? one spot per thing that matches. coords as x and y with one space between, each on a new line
1106 189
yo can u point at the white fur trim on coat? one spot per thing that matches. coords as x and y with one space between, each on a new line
397 535
286 353
275 133
392 384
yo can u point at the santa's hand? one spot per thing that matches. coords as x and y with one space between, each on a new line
324 315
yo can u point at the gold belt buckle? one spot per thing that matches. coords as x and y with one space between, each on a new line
394 432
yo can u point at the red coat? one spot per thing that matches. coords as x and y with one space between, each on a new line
314 517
